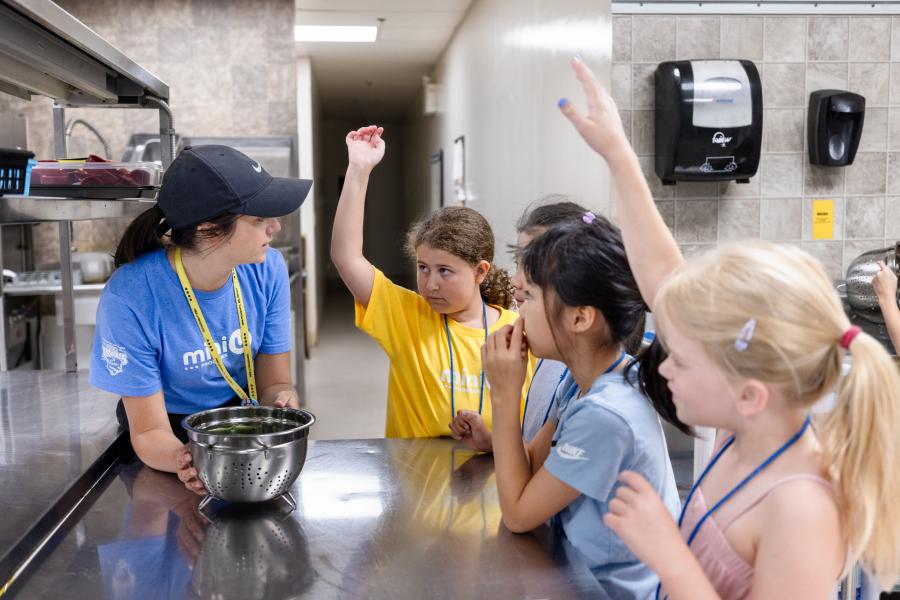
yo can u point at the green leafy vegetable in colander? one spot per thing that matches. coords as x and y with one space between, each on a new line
236 428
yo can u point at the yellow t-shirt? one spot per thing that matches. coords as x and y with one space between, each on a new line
415 340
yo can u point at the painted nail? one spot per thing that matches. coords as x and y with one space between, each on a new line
563 102
579 57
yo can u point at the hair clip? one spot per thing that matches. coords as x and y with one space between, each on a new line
588 217
743 340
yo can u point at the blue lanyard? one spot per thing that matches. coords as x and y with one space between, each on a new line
562 378
736 488
452 377
528 394
556 391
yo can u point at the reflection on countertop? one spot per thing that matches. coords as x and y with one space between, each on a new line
375 519
53 426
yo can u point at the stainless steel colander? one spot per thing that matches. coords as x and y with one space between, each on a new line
248 453
860 292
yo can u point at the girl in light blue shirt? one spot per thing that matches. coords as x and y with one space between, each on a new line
581 304
468 426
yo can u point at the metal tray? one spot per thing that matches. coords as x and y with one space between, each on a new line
105 193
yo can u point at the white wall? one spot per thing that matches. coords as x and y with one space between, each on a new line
307 119
502 74
384 221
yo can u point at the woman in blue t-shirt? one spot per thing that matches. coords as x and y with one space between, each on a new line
197 315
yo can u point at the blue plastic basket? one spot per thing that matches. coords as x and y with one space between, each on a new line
15 171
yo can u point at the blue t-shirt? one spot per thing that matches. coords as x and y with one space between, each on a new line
150 568
147 339
612 428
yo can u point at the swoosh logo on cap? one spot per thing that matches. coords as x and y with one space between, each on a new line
257 167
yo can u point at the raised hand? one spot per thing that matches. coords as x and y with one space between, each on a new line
365 147
601 127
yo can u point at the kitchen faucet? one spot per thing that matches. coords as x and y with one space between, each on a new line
71 125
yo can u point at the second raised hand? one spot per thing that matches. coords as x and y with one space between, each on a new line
601 127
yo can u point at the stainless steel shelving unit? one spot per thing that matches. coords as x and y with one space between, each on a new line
45 51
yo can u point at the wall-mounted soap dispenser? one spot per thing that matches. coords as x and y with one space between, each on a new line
708 120
834 124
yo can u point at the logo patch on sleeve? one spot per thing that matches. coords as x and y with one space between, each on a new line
570 452
114 356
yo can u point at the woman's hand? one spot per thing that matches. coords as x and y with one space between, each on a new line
505 360
468 427
187 473
365 147
885 284
602 127
639 517
286 399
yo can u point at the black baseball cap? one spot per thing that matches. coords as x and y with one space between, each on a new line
206 181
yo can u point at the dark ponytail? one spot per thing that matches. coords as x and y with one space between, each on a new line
140 237
497 287
654 386
584 264
147 232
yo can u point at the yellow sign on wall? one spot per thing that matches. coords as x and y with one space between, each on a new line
823 219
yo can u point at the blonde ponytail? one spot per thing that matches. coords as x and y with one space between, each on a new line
860 440
796 349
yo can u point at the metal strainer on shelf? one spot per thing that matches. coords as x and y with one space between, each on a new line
248 453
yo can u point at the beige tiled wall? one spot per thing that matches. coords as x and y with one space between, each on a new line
230 67
795 55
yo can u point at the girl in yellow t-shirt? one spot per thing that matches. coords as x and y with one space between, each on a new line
434 337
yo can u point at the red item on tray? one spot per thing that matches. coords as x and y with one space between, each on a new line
69 173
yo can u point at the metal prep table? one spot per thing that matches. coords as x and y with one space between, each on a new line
53 429
375 519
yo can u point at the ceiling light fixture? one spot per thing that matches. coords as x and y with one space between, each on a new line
335 33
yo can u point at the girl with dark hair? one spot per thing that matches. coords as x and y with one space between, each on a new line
549 374
432 337
197 314
467 426
581 303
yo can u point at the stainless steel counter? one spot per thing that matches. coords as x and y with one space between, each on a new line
375 519
53 426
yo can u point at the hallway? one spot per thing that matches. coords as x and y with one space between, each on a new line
346 376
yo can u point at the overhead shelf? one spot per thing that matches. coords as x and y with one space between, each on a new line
46 51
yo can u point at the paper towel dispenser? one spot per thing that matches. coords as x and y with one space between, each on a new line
834 124
708 120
